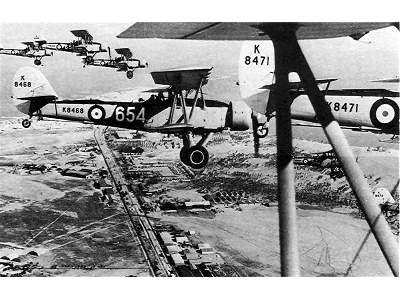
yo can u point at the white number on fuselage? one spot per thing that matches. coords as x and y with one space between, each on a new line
128 115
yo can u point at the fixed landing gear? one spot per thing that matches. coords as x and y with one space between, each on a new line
37 62
262 130
88 60
26 123
195 156
129 74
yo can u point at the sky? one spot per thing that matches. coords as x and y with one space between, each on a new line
355 63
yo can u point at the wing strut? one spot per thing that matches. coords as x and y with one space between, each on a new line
289 58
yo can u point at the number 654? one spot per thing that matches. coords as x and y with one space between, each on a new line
128 114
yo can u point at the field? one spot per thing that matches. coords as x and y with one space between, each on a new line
61 218
72 232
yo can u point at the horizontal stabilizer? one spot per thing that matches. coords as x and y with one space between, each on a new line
297 85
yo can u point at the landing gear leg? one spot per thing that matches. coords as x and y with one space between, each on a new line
184 155
187 143
26 123
40 117
196 156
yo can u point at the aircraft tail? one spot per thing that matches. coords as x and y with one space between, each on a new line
256 70
31 90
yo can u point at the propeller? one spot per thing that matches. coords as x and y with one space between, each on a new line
109 53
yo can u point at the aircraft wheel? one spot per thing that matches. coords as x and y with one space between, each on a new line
37 62
262 131
26 123
88 60
197 157
129 74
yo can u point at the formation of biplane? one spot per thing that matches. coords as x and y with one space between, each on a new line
83 46
176 104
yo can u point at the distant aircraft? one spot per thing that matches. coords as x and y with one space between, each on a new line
175 105
382 196
34 49
123 63
83 46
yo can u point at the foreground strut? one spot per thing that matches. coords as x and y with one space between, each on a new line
289 58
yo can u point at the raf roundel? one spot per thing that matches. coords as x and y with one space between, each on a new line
384 113
96 113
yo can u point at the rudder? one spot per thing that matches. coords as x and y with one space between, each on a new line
31 90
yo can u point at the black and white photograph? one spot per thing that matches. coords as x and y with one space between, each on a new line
199 149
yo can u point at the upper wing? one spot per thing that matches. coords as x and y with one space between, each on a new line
245 30
125 52
83 34
184 79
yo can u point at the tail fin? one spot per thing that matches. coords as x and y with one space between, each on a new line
256 70
31 90
382 195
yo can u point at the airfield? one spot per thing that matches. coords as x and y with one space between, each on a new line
58 220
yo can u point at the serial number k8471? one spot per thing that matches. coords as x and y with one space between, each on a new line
346 107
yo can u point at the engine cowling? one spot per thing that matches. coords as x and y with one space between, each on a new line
238 116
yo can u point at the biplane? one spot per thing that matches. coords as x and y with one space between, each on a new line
34 49
373 110
83 45
174 105
123 63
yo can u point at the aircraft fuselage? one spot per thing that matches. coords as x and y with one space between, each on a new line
144 116
377 112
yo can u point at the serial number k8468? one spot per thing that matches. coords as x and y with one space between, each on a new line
22 84
72 110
